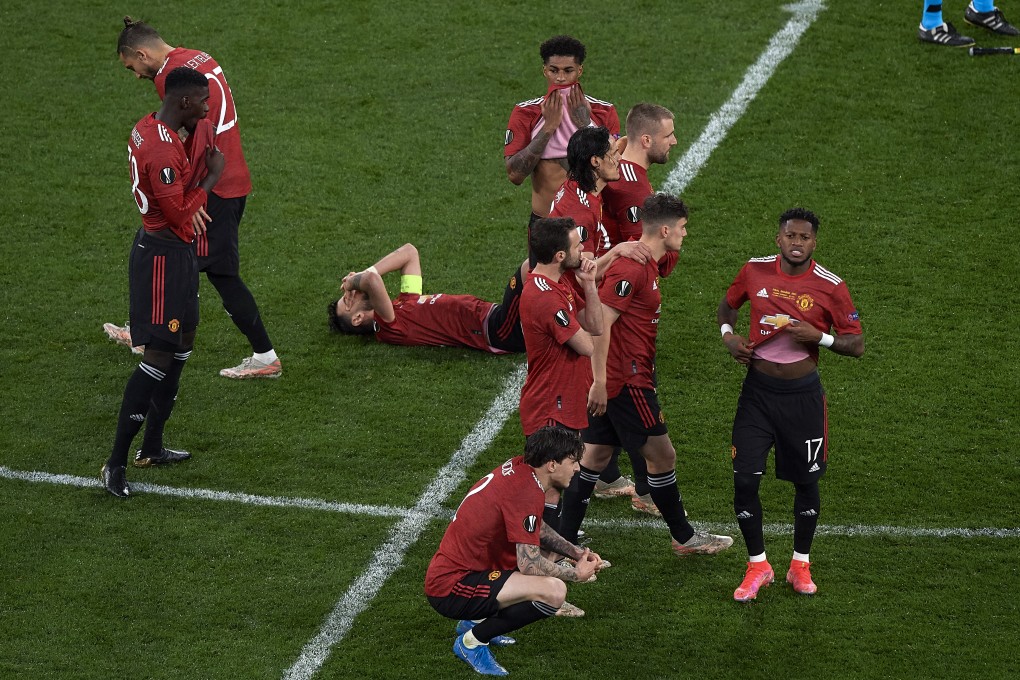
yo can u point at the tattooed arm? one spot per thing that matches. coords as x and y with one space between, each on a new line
550 540
522 163
531 563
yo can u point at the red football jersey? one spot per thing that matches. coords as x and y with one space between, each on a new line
502 509
526 118
161 177
633 290
558 377
622 201
817 297
438 320
586 210
235 180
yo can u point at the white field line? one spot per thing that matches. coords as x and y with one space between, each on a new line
209 494
388 557
779 48
443 514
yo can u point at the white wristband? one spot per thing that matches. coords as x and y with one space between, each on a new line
725 328
826 340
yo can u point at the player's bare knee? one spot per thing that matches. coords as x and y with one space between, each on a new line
554 592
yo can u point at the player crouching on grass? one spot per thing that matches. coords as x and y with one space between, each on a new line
489 572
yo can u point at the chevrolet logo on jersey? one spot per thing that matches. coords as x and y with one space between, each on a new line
776 320
530 524
562 319
167 176
623 288
634 214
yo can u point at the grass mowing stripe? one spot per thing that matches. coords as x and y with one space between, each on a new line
439 513
779 48
209 494
388 557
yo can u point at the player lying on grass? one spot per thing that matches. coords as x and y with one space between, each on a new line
414 319
489 572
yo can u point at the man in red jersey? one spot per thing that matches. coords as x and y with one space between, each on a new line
795 302
650 136
622 403
558 328
163 270
148 56
539 129
594 161
414 319
489 571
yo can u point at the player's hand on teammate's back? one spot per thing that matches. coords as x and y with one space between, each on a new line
577 105
635 250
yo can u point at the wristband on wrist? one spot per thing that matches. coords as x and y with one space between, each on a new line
826 340
372 269
725 328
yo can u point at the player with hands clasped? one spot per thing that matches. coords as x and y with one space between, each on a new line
535 144
794 302
489 572
163 270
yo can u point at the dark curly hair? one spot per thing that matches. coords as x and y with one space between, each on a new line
800 214
562 46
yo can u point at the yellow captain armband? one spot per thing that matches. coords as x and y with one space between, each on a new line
410 283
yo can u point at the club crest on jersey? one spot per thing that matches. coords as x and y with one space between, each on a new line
775 320
634 214
530 524
167 175
174 325
493 575
562 319
805 302
623 288
508 137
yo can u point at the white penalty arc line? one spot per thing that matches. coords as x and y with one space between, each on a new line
389 556
443 514
779 48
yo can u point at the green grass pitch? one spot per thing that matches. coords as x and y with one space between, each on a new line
368 125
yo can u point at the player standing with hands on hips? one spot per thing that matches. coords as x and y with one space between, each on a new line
163 270
142 51
795 302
